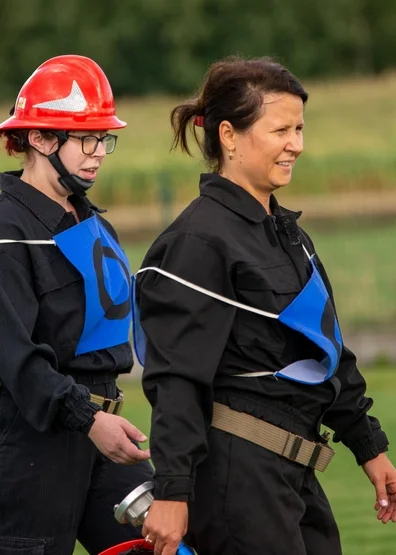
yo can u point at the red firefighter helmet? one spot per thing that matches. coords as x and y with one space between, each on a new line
66 92
134 547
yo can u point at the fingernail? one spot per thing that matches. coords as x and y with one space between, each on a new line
383 503
143 438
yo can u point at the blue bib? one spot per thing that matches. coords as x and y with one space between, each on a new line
105 270
310 313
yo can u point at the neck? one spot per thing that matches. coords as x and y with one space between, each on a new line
262 196
41 182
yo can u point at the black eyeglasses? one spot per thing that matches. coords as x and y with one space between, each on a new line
89 143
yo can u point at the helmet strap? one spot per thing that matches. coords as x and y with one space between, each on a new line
73 183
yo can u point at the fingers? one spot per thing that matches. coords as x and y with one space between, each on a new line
169 550
133 454
382 504
165 547
112 436
131 431
127 453
382 494
388 513
161 546
158 547
165 525
163 543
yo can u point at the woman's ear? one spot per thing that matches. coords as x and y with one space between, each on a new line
36 140
227 135
41 144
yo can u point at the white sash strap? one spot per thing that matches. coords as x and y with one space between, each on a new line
209 293
224 300
29 241
307 253
253 374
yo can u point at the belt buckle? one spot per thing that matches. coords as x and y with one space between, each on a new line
114 406
119 402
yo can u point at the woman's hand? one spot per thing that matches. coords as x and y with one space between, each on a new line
165 526
112 436
382 474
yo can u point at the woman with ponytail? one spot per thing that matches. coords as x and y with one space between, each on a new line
242 350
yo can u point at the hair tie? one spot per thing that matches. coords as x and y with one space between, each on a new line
199 121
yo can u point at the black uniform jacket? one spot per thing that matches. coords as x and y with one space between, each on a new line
42 306
226 242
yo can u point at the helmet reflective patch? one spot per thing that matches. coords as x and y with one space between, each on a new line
74 102
21 102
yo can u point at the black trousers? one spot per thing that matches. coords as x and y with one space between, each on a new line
56 488
251 501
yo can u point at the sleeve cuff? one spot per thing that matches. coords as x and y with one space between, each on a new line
369 447
168 488
77 413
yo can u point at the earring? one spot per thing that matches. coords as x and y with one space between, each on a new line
231 154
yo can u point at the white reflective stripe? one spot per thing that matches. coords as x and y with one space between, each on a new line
29 241
74 102
307 253
209 293
253 374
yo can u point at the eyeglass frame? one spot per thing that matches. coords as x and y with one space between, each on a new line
98 140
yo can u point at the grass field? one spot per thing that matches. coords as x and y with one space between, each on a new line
350 140
351 495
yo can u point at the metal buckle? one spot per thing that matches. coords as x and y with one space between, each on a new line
113 406
118 405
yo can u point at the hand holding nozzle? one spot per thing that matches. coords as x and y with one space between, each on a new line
134 509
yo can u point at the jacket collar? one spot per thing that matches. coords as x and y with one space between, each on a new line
238 200
49 212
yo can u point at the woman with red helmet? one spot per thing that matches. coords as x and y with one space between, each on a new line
66 313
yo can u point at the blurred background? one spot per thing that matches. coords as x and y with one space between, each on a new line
155 53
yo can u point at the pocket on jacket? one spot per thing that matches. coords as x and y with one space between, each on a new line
55 273
281 279
272 290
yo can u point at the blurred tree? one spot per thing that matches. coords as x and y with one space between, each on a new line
166 45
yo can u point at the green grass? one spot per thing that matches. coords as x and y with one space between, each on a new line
351 495
350 139
362 270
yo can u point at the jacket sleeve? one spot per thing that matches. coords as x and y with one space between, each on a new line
348 417
186 335
48 400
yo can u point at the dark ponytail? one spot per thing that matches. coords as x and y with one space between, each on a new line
182 119
233 90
